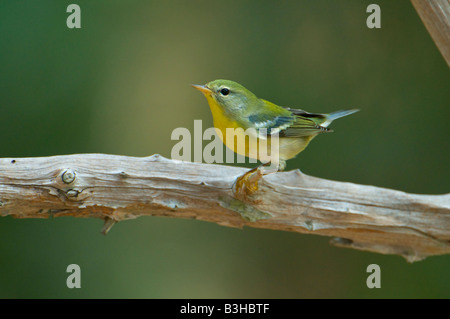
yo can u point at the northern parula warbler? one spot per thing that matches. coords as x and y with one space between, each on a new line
233 106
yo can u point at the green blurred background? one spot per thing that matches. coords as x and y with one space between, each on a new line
120 85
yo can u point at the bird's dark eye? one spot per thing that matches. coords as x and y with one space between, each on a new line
225 91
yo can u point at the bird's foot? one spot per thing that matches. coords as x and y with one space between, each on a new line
247 184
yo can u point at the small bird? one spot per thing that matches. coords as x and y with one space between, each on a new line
233 106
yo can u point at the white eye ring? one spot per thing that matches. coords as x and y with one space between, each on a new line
224 91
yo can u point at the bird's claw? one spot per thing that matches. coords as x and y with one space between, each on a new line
247 184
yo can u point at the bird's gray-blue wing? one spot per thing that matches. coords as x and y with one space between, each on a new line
286 126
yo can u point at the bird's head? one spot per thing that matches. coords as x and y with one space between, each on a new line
229 95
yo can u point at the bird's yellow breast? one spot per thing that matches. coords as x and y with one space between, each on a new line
222 122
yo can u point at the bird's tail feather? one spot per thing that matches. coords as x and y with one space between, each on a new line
338 114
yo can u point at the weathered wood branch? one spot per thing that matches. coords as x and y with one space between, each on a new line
435 14
117 188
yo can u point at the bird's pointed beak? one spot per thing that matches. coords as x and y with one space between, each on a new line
202 88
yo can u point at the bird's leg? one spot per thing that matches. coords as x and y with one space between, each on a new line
281 165
247 184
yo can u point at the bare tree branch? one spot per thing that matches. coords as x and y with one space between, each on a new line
117 188
435 14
